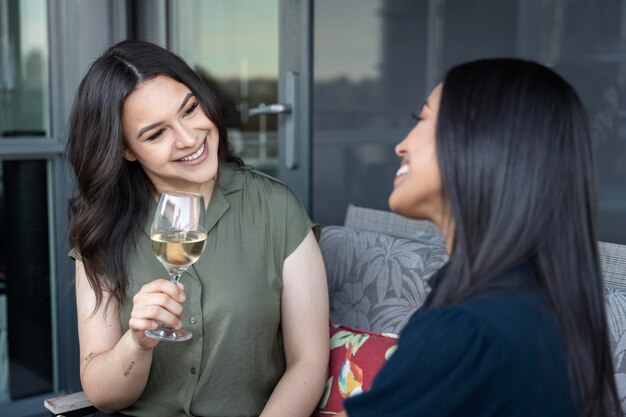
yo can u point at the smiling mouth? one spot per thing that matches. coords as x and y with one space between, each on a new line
195 155
403 170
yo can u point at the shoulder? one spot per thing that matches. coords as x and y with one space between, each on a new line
516 328
518 315
509 328
448 340
448 357
262 196
513 306
434 328
249 180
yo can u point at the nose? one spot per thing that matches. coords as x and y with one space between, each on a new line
399 149
185 136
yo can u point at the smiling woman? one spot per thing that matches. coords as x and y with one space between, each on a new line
172 139
417 187
143 122
515 322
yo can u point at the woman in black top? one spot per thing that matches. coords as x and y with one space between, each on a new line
500 159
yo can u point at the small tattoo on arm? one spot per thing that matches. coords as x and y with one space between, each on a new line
88 357
130 366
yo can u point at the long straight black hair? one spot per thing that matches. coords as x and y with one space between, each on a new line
516 164
113 193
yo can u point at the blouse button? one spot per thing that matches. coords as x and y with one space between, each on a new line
193 370
193 320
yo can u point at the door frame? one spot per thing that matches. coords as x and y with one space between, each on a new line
296 58
294 83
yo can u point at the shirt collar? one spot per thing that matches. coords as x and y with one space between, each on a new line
227 179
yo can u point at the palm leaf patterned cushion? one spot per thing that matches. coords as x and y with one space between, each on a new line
376 281
613 258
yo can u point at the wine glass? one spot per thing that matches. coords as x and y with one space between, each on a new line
178 237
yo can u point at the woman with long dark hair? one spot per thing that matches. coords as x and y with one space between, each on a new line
256 301
501 160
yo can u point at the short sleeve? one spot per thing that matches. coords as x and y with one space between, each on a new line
444 358
298 222
75 254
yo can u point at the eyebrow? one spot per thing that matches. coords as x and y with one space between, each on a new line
153 125
146 128
185 100
426 105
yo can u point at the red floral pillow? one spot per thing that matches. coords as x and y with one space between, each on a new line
356 356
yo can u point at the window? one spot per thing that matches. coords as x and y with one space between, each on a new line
25 305
376 61
27 353
23 68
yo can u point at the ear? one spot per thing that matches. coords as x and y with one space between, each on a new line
129 155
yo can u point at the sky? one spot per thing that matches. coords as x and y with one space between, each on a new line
235 37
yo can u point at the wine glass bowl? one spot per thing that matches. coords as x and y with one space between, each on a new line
177 251
178 237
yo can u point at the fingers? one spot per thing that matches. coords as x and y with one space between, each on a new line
159 301
176 291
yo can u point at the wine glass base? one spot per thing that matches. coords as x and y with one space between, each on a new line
169 335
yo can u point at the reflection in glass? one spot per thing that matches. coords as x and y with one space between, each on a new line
376 61
369 72
25 315
233 45
23 68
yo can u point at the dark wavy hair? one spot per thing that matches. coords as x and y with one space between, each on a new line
516 164
113 193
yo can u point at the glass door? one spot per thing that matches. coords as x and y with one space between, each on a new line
27 357
255 57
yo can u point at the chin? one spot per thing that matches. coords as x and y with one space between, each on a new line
394 205
409 209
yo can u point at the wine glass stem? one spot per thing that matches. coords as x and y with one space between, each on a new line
175 278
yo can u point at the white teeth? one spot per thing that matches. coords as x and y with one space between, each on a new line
403 170
195 155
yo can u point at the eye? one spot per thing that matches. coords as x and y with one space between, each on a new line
191 109
156 135
416 117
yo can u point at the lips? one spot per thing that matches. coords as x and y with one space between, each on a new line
195 155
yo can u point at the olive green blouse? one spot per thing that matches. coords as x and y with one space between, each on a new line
235 358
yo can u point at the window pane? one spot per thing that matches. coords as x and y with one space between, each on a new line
233 46
24 109
376 60
25 315
369 75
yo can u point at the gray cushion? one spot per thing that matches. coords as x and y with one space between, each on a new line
613 258
376 281
616 318
389 223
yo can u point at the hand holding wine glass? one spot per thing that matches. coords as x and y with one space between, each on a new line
178 239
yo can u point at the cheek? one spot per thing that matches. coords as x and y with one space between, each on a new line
214 136
153 156
418 191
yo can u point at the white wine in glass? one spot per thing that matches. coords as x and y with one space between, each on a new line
178 239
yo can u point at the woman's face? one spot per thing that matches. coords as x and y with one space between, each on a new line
166 131
417 187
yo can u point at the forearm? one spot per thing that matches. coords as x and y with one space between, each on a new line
298 391
115 379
